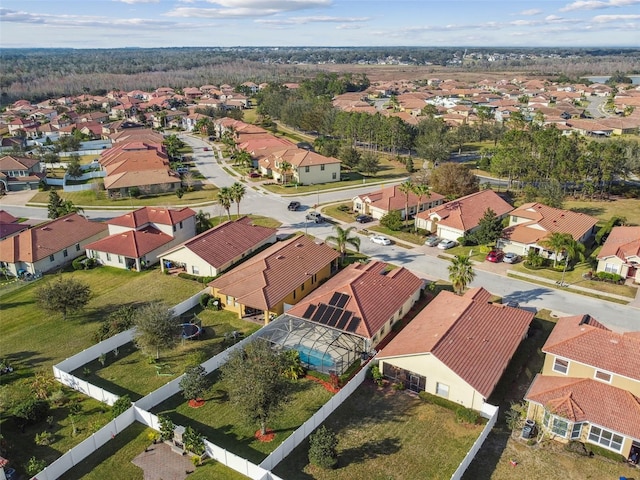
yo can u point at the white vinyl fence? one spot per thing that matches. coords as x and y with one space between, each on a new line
490 412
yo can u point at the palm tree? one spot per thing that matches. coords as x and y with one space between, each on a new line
225 199
461 273
421 190
203 221
406 187
556 242
237 194
244 158
284 168
342 238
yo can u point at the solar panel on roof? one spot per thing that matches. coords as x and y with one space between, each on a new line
334 298
334 317
344 318
353 324
319 312
327 314
308 313
342 301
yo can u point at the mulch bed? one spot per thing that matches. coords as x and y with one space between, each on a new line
267 437
327 386
196 403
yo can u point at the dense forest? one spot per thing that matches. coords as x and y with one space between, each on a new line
37 74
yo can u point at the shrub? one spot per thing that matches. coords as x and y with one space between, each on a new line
607 277
377 375
204 300
603 452
134 192
45 438
392 220
118 321
77 263
166 427
194 382
436 400
193 441
577 447
466 415
34 466
398 386
534 259
120 406
292 368
58 397
31 411
322 448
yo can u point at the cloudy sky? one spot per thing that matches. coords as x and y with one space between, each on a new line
175 23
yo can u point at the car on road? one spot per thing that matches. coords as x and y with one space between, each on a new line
494 256
380 240
513 304
293 206
205 149
446 244
511 257
314 217
432 241
254 175
364 218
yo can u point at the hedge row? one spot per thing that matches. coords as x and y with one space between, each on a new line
463 414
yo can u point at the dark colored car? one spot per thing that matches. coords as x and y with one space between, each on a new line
254 175
494 256
364 218
293 206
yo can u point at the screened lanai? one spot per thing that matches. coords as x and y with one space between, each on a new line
321 348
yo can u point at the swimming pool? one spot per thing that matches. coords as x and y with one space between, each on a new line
315 359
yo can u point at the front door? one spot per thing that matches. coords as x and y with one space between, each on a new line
414 383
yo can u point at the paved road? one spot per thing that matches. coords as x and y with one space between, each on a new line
422 260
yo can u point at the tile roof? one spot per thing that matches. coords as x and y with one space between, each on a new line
544 220
152 215
266 279
299 157
582 339
10 162
588 400
227 241
465 213
48 238
622 242
474 338
375 294
391 198
137 179
132 243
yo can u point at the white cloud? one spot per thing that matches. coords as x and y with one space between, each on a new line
531 12
614 18
305 20
133 2
524 23
598 4
247 8
14 16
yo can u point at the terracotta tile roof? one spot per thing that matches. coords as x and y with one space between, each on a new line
10 162
227 241
136 179
299 157
465 212
152 215
136 162
391 198
472 337
588 400
266 279
583 339
374 295
544 220
132 243
622 242
48 238
6 217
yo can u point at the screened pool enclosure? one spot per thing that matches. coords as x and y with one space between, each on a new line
321 348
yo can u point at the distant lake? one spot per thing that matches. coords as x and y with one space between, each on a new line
635 79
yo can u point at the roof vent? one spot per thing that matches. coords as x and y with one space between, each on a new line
299 245
614 341
280 257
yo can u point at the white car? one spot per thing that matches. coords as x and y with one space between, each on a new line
446 244
380 240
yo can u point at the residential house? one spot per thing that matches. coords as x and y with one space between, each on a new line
457 347
21 124
136 239
305 167
20 173
219 248
379 203
532 222
589 388
373 298
620 253
461 217
10 226
279 276
50 245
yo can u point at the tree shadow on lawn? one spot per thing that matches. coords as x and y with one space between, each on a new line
593 211
23 364
368 451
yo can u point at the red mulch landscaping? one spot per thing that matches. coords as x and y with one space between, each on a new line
196 403
326 385
267 437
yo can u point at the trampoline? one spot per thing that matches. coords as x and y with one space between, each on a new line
191 331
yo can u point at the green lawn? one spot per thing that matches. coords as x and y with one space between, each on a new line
222 424
384 434
604 210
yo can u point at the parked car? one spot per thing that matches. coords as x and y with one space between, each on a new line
364 218
494 256
380 240
314 217
446 244
511 257
293 206
205 149
513 304
182 169
432 241
254 175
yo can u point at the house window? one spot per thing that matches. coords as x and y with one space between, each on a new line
51 258
77 247
442 390
611 268
294 294
174 228
559 426
230 300
605 438
119 258
334 175
306 169
514 219
108 257
302 287
576 431
314 278
604 376
322 168
65 253
382 330
195 270
560 366
180 225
